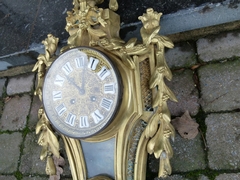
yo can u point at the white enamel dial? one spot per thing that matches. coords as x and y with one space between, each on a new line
81 92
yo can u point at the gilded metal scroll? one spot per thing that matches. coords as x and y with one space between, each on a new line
47 138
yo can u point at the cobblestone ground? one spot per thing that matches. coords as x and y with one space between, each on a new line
207 84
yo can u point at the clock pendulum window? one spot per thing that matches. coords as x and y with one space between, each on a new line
104 97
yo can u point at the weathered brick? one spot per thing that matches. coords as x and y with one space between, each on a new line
10 152
15 113
7 178
33 116
230 176
220 86
186 92
202 177
30 161
182 55
36 178
172 177
2 86
179 177
222 46
223 134
20 84
188 155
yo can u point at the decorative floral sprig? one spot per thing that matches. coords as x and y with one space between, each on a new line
47 138
44 61
159 128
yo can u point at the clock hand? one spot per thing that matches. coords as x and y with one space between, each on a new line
71 81
83 80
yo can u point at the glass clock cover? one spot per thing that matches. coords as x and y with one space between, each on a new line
81 92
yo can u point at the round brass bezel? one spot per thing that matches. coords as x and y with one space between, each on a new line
90 52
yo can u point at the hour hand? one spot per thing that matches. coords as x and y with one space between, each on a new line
72 81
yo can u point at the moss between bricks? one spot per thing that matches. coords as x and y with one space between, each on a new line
200 118
4 95
25 131
193 175
1 107
18 175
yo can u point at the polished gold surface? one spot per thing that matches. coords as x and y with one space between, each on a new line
47 138
44 61
136 128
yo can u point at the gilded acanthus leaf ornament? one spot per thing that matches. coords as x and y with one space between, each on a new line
47 138
159 128
113 5
48 141
44 61
82 22
91 26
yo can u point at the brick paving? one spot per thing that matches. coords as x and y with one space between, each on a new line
206 83
220 83
219 47
186 93
224 134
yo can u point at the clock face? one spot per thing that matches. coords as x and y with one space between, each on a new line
81 92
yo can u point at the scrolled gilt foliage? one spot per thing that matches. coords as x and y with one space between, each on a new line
47 138
44 61
159 129
82 22
125 51
89 25
48 141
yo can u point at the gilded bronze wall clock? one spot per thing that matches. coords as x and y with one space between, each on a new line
103 90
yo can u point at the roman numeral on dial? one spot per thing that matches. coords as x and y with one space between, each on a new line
57 95
67 68
93 62
70 119
97 116
83 123
106 103
61 109
59 80
109 88
80 62
103 73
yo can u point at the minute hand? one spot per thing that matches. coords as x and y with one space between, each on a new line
82 76
71 81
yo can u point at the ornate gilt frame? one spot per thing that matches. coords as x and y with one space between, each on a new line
89 25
